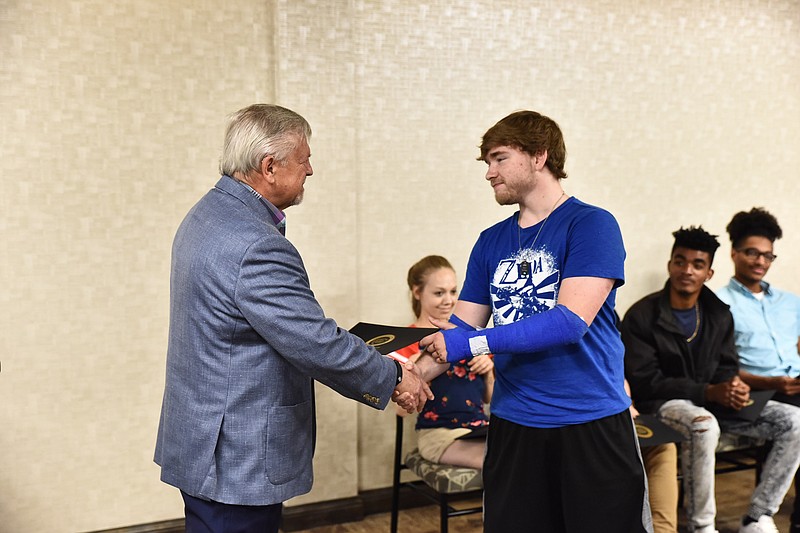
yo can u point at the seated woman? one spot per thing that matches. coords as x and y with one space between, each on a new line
460 392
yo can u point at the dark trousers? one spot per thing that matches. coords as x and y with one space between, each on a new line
578 479
204 516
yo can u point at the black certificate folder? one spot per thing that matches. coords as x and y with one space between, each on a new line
651 431
751 411
387 339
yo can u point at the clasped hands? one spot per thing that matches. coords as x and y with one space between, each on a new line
413 391
734 393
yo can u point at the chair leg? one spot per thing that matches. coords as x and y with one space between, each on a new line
444 512
398 445
395 498
395 507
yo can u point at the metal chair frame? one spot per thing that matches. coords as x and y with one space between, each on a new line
446 510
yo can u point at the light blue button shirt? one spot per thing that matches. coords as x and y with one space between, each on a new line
765 330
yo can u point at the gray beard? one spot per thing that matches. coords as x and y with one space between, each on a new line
298 199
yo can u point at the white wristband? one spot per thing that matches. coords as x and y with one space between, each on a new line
479 345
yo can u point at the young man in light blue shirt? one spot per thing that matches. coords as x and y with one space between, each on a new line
766 320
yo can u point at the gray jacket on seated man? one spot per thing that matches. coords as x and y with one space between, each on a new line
681 363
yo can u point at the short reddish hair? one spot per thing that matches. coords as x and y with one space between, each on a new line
532 133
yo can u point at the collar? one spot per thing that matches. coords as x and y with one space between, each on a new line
233 186
737 286
665 317
709 304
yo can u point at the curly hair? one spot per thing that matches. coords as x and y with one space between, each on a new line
695 238
757 222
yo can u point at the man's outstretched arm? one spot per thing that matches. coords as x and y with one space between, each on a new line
468 316
579 301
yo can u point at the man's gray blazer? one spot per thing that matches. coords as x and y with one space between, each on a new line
246 340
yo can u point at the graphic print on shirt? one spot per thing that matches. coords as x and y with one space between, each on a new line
515 297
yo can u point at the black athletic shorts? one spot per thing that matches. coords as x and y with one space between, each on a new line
586 478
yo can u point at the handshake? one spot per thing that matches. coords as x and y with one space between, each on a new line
413 391
413 398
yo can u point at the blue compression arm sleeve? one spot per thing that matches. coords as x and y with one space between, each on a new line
542 331
460 323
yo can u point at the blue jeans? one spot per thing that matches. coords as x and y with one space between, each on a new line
778 422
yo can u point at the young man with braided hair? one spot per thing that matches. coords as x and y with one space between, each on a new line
681 363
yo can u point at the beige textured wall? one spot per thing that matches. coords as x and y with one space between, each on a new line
674 113
112 113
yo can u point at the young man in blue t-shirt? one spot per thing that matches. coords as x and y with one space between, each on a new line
561 453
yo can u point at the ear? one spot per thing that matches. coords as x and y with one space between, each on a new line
267 168
710 274
539 160
415 292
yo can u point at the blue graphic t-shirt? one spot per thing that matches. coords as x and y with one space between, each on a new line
574 383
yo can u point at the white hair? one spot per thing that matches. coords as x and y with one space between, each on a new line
257 131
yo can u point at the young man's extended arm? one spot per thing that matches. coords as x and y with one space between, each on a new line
474 315
579 301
